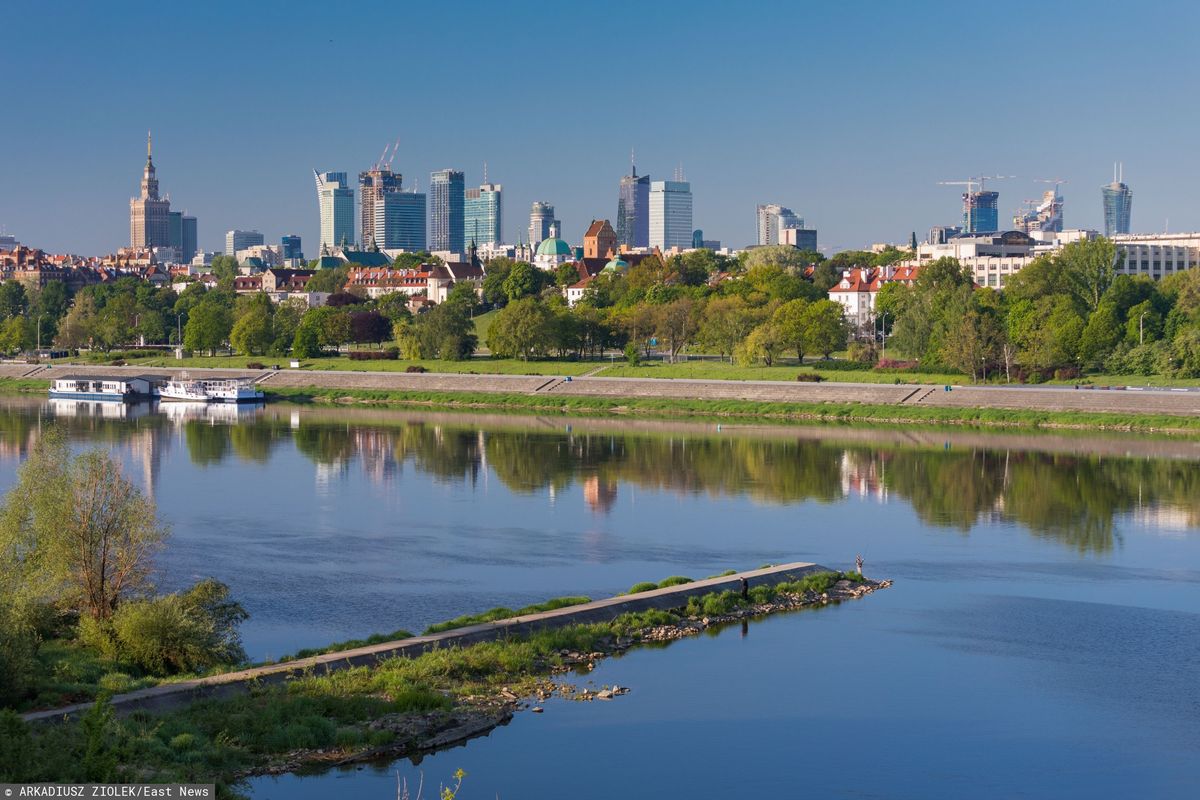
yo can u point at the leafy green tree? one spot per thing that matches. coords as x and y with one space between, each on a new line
522 329
974 338
224 268
676 324
15 333
151 326
1089 266
307 341
495 274
763 344
446 331
566 275
252 334
284 325
329 280
208 326
1047 332
76 328
415 260
789 326
825 328
726 321
13 300
1143 323
1101 335
524 280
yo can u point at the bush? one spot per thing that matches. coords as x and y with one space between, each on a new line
18 657
391 353
1067 374
180 632
117 362
809 377
416 368
255 365
99 636
835 365
862 353
896 364
674 580
644 586
633 355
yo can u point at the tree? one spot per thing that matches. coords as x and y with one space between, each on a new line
224 268
763 344
151 326
974 339
726 321
13 300
252 334
307 341
1047 332
788 320
1100 336
208 326
462 296
523 328
1088 266
15 333
524 280
328 280
565 275
824 327
446 331
675 323
77 530
369 326
76 328
494 276
341 298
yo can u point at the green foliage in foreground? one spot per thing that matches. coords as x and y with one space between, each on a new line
674 580
217 739
501 612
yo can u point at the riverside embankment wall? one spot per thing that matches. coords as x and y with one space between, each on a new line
1029 398
175 695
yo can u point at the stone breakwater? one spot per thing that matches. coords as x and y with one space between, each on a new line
479 714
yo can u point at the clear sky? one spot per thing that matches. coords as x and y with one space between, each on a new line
848 112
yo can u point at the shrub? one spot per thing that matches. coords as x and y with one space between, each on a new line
809 377
416 368
845 366
18 657
180 632
862 353
391 353
632 355
1067 373
117 362
674 580
99 636
255 365
17 751
892 363
644 586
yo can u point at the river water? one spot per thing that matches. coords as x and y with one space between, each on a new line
1042 637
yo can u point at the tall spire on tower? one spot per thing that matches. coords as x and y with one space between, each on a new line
148 146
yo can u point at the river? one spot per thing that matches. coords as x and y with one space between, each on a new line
1042 637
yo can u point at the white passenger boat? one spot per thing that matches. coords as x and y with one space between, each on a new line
104 388
211 390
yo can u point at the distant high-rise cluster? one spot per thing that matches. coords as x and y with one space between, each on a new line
773 220
373 185
1118 204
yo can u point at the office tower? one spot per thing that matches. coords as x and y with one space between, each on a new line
670 214
773 218
289 247
373 185
400 221
175 232
541 218
980 214
149 216
1118 203
481 215
633 210
190 238
335 199
446 197
240 240
697 239
799 238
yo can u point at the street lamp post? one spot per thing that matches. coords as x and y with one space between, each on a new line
1142 328
39 334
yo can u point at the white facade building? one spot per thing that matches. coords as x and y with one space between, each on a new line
670 214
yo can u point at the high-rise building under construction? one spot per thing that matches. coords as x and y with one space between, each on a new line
373 184
633 210
980 211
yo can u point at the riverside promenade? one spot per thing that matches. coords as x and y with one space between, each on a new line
1132 400
167 697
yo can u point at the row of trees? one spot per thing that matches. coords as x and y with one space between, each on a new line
1065 313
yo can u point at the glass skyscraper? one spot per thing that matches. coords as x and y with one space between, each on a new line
1118 203
400 221
446 198
541 218
481 215
372 186
633 210
670 214
336 200
289 246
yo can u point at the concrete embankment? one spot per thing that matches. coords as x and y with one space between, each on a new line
1175 402
175 695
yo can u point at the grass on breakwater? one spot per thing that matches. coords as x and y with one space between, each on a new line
390 708
752 409
501 612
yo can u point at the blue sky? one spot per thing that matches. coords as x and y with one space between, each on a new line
847 112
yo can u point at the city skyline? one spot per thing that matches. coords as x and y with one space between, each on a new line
852 177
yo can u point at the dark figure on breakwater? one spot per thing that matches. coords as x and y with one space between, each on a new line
745 589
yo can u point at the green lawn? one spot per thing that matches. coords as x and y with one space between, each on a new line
482 323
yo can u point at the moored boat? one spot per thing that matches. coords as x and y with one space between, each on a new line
211 390
104 388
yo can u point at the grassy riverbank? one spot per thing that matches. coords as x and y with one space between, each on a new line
398 706
750 410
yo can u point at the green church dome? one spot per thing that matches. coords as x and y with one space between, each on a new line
618 264
555 247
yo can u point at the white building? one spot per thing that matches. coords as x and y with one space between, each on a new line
670 214
335 198
240 240
772 220
553 251
857 289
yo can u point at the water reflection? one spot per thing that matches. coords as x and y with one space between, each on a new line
1074 498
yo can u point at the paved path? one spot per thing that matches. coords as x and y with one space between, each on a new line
175 695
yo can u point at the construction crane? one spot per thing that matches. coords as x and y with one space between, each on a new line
395 147
1056 181
979 181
